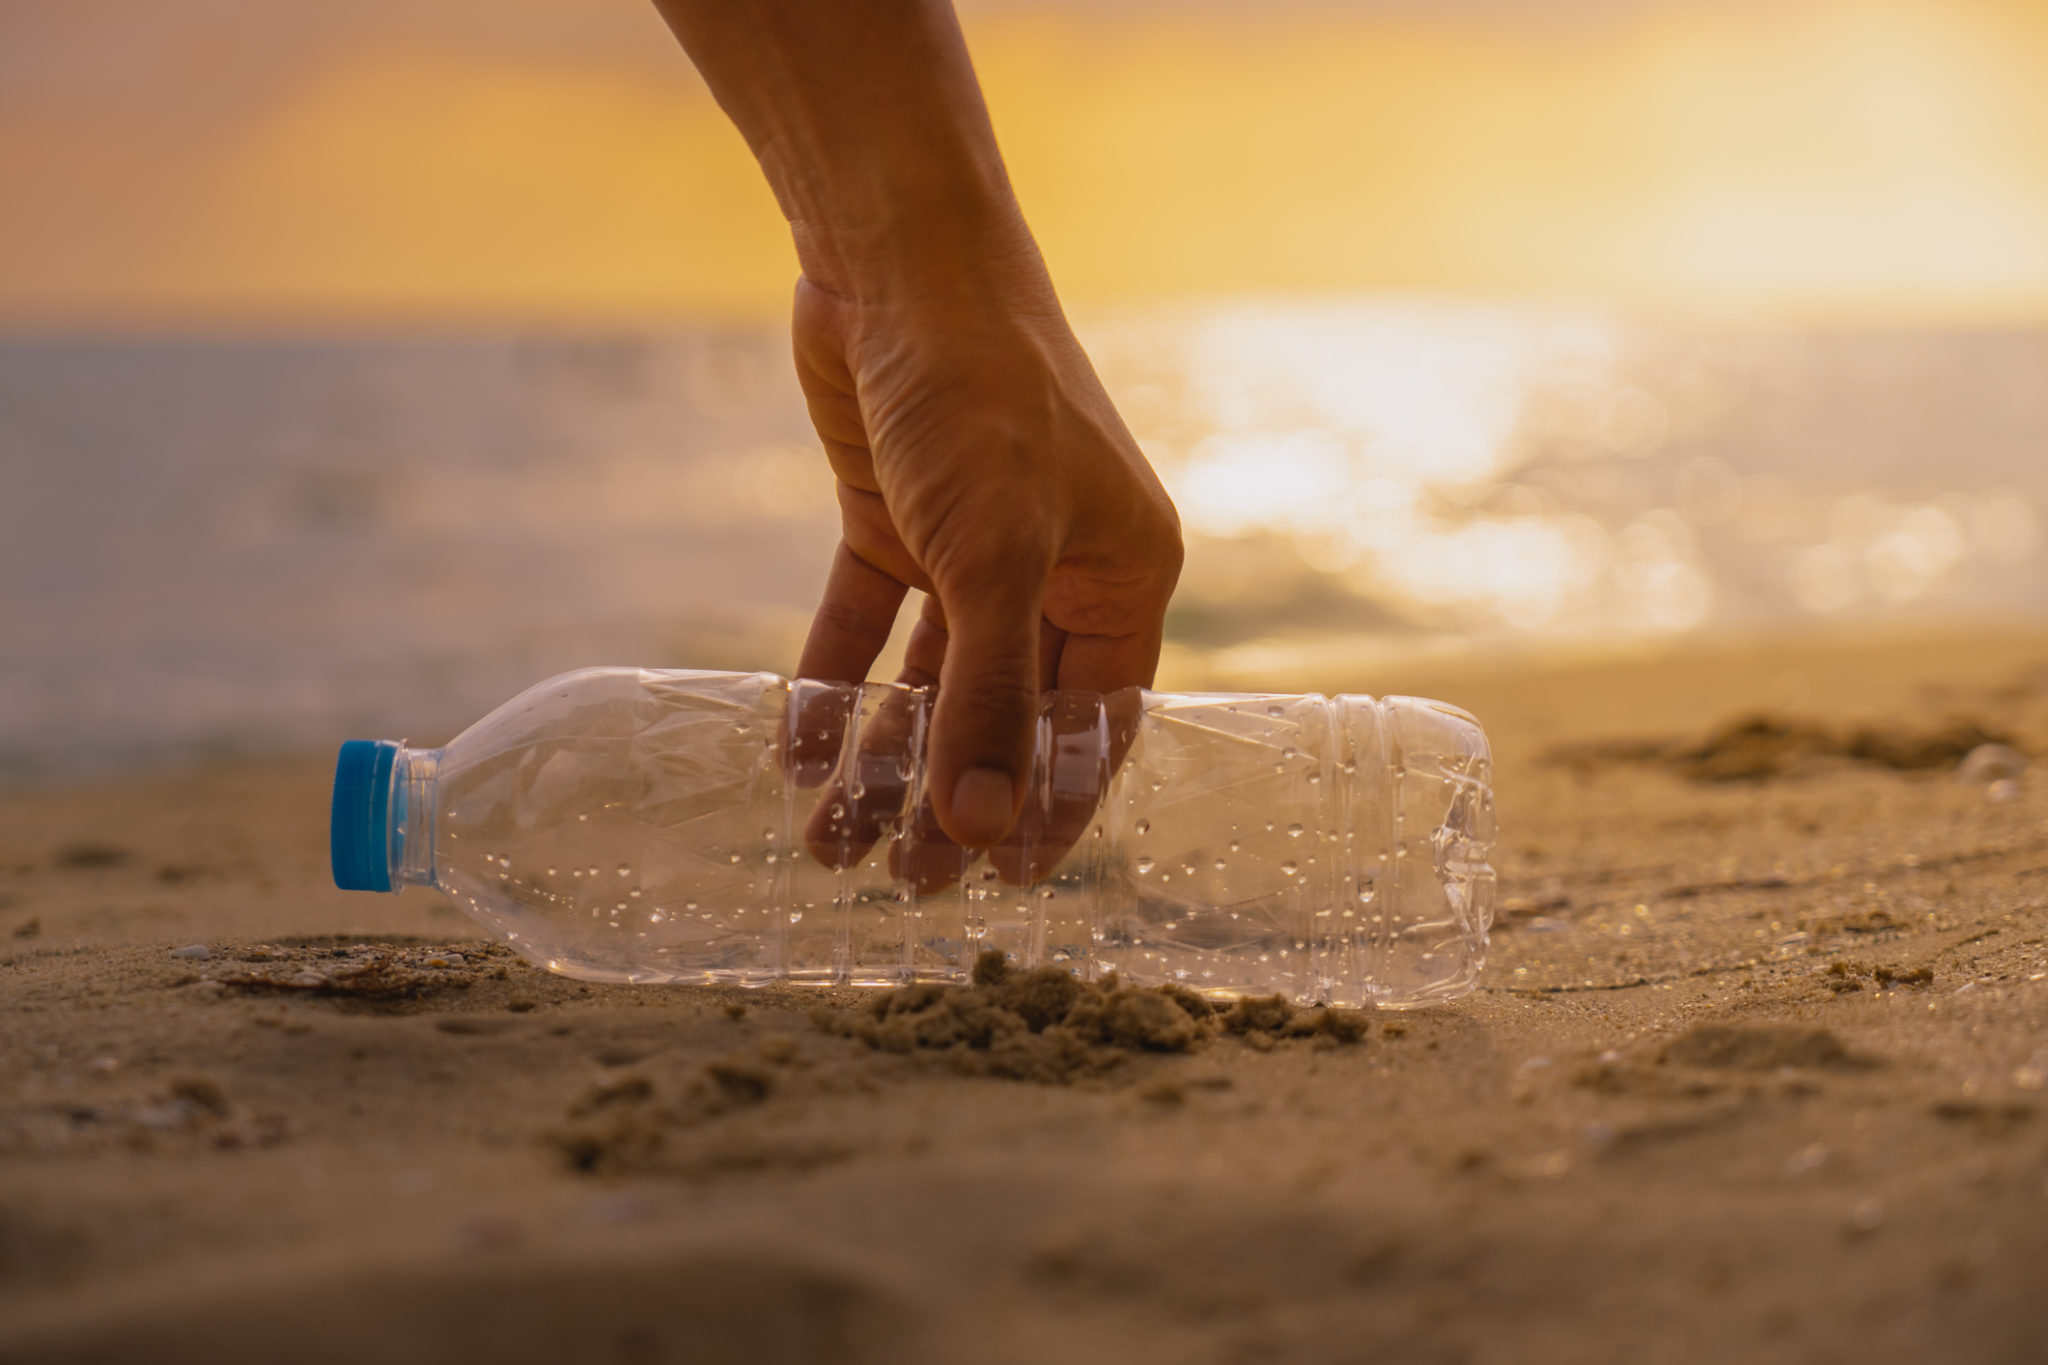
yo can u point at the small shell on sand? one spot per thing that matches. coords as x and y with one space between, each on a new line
1989 763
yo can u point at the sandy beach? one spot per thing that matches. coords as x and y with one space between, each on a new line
1660 381
1756 1073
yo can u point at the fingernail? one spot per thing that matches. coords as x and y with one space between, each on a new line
983 802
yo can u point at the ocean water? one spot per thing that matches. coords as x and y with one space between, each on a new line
216 546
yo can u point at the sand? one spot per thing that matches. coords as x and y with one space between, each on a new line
1756 1074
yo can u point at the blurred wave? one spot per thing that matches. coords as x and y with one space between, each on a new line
212 546
1472 469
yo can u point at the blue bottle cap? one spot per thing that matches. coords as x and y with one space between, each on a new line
359 830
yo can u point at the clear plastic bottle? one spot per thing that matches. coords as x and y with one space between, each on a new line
646 825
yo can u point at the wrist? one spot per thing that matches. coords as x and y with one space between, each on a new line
867 119
934 242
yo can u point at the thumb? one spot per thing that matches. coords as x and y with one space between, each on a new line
985 718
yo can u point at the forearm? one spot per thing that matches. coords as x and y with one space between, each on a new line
868 122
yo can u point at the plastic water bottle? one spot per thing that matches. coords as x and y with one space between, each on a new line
648 825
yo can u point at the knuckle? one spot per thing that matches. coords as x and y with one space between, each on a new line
1173 555
992 557
996 705
999 690
847 620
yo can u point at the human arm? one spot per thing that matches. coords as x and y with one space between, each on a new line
978 458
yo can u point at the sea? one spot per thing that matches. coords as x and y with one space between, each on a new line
221 545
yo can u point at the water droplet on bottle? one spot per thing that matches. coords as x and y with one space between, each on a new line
1276 710
1218 864
593 872
1288 752
732 857
1144 864
625 870
689 905
1046 893
1269 827
576 872
1187 869
838 811
1143 827
634 893
1234 845
619 907
772 858
1290 867
1294 831
553 873
582 816
796 917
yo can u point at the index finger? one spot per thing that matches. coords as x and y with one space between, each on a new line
851 626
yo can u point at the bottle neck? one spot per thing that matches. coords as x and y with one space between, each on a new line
415 802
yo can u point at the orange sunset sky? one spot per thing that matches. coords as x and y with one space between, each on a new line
228 162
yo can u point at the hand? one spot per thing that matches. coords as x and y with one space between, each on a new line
978 458
980 461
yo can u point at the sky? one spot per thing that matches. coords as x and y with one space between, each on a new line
204 163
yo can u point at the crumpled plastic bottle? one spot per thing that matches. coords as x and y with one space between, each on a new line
651 825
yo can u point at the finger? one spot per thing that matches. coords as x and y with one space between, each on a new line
853 620
1106 663
1070 772
924 654
866 528
867 794
1024 851
851 626
1080 747
1114 667
925 855
816 729
987 702
1051 641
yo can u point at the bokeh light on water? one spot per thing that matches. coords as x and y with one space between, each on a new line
1402 471
213 546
